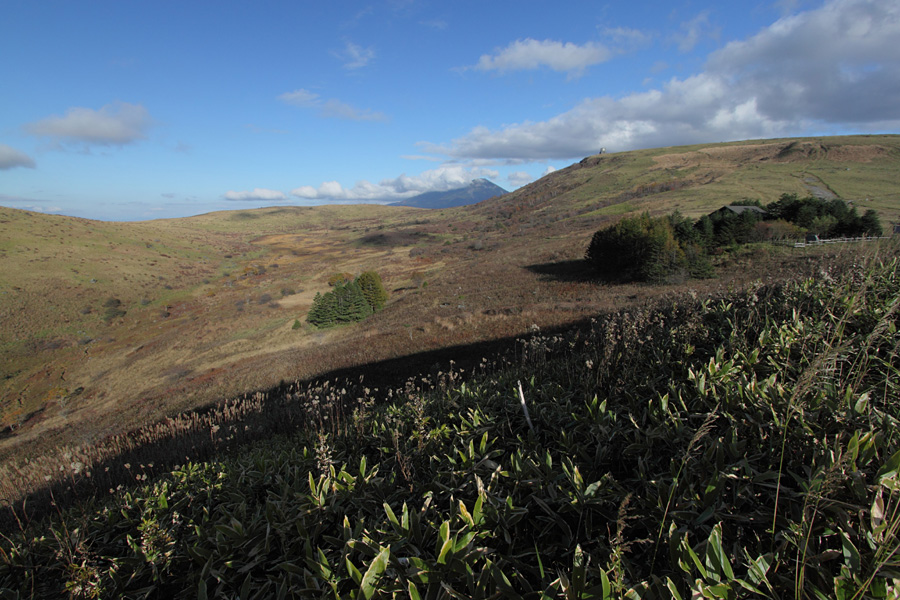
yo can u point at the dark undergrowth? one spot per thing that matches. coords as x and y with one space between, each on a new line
737 447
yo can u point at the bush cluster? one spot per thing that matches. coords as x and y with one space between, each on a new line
650 249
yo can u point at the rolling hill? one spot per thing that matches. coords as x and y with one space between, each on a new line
109 326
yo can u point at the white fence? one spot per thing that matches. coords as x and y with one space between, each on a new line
843 240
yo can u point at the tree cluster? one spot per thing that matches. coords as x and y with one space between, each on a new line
351 300
670 248
825 218
650 249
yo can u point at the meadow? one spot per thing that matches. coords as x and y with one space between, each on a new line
202 308
739 445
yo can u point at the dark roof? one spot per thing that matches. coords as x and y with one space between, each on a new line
740 209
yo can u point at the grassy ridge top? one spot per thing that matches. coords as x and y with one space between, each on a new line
701 178
741 446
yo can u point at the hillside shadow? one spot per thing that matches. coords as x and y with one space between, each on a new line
566 270
395 238
279 413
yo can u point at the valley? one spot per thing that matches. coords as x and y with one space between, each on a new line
207 304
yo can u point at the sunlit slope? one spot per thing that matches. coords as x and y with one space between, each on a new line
697 179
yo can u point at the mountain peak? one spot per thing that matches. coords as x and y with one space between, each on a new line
478 190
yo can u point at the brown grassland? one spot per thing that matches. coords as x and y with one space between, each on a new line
105 327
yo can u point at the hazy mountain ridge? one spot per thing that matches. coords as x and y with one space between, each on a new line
477 191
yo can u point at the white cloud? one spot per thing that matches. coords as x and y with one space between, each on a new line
11 158
115 124
693 31
532 54
519 178
828 69
446 177
625 38
548 170
330 108
256 194
301 98
356 57
341 110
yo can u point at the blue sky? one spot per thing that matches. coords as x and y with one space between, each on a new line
142 110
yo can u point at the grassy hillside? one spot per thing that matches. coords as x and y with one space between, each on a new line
743 445
105 327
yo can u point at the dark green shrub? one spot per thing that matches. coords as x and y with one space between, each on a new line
637 249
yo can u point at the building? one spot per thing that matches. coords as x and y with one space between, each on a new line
737 210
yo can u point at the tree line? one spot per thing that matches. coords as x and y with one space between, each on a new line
658 249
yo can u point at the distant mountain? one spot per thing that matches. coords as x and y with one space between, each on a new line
478 190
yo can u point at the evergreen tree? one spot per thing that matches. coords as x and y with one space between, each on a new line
323 312
870 223
373 290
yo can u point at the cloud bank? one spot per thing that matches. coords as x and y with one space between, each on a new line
255 194
11 158
820 70
115 124
532 54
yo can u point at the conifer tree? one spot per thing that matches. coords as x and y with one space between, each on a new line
323 312
373 290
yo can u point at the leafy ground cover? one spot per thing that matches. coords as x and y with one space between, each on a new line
745 445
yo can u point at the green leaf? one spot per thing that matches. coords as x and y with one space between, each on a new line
392 517
354 572
887 475
607 588
444 551
718 591
464 512
716 559
413 591
477 515
687 547
670 585
851 554
201 590
245 588
367 586
759 567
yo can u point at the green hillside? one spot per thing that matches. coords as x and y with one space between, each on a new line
699 179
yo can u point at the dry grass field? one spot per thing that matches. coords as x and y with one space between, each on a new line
107 326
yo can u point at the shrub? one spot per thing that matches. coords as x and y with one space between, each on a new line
340 279
637 249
